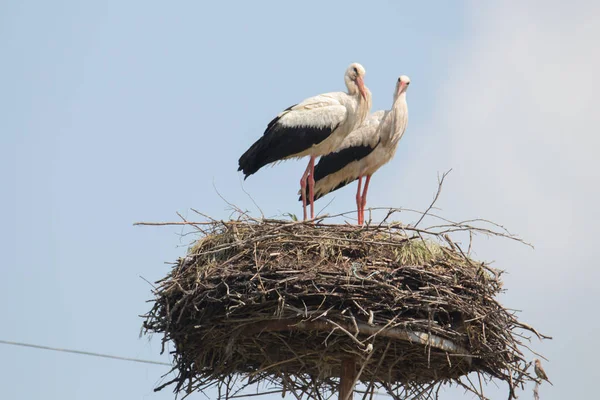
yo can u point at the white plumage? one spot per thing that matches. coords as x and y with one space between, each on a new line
365 150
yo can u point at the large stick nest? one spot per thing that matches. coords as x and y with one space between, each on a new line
285 303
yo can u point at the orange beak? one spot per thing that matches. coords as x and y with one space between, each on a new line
401 88
361 87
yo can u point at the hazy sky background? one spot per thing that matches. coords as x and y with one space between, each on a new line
114 112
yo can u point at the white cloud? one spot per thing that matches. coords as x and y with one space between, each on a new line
518 111
518 119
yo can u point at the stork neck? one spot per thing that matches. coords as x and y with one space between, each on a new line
363 108
351 86
398 120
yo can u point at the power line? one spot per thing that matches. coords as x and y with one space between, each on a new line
85 353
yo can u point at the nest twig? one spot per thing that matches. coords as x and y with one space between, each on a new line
284 303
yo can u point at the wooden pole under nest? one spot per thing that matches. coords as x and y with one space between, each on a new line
347 378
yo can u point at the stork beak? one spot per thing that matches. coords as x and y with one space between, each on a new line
401 88
361 87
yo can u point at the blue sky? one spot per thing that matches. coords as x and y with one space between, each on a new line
117 112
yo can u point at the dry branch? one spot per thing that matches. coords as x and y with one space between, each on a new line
284 303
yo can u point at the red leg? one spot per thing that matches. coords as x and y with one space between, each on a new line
303 189
311 186
358 200
364 197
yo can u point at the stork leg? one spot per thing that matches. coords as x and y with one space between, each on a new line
358 200
303 188
311 186
364 197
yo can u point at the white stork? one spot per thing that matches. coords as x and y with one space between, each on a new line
314 127
365 150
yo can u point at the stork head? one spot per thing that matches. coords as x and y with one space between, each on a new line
355 79
401 86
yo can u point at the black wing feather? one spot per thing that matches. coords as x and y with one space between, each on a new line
279 142
333 162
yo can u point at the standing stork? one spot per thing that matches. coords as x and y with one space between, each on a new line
365 150
314 127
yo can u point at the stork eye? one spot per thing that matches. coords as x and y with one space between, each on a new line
356 70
